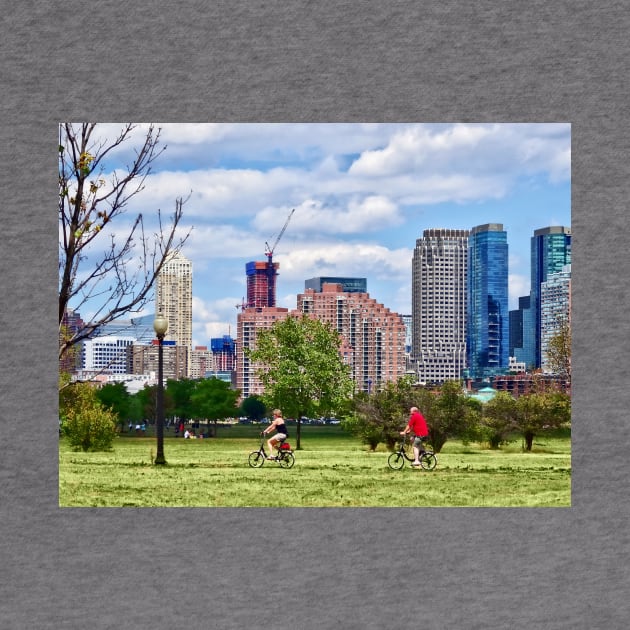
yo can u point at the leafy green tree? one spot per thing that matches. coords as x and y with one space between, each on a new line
135 412
540 411
301 368
87 425
114 396
179 393
146 403
451 414
499 419
253 407
213 399
380 416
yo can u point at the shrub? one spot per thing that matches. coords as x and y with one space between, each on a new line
87 425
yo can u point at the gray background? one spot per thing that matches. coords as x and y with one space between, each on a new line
313 61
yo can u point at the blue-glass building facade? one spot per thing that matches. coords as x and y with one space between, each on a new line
488 321
522 332
550 252
350 285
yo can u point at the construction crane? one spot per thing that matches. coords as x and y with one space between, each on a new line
269 250
271 270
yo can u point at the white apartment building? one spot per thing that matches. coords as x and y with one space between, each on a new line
107 354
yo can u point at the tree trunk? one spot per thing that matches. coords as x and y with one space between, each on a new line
529 440
298 443
495 441
437 440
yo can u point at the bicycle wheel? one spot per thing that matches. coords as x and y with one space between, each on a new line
396 461
428 460
286 460
256 459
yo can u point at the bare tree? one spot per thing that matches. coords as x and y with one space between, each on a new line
114 273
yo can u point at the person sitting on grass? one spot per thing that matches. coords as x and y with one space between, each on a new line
281 432
418 426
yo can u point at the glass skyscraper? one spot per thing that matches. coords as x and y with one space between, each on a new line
522 332
488 321
551 251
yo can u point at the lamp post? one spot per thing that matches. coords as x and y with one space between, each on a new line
160 325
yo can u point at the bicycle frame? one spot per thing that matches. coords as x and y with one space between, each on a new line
284 458
396 460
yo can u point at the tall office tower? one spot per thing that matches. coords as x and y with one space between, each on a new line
522 332
550 252
374 336
174 300
223 353
555 309
261 284
350 285
248 323
439 277
487 341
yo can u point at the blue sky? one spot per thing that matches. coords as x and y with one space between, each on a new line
362 193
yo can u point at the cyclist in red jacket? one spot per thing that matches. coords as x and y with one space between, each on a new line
418 426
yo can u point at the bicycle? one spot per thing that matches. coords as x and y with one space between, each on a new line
284 458
427 458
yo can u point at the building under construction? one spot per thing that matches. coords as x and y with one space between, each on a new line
261 276
261 283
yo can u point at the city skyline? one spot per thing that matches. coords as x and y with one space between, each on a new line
362 193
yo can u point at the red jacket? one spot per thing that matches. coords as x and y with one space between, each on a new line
418 424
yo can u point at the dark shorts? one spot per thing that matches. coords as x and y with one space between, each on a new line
419 441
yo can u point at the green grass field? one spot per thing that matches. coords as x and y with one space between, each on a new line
331 470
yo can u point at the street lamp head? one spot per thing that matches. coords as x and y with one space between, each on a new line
160 325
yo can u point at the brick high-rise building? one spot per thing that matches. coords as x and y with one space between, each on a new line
143 359
200 362
249 321
374 336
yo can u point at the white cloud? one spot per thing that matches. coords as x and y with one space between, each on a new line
213 318
415 147
486 151
313 216
344 259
